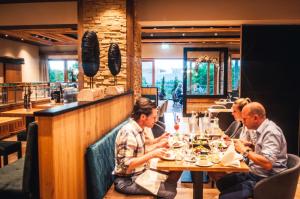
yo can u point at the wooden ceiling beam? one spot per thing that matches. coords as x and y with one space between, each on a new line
193 40
26 36
57 37
192 30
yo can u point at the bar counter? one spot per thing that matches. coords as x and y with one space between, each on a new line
64 133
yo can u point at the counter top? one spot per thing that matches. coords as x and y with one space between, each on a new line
75 105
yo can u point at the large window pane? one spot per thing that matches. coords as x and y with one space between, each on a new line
147 68
72 67
172 72
236 68
56 70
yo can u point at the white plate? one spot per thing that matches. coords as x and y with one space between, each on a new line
189 160
205 165
171 157
178 144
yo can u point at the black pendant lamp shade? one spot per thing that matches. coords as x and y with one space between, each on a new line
90 53
114 59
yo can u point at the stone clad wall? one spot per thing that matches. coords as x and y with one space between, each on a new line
108 19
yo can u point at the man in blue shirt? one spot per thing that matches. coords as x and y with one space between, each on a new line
268 158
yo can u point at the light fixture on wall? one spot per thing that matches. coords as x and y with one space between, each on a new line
165 46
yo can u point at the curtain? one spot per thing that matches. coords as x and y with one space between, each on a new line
44 68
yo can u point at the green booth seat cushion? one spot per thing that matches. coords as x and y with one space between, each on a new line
100 161
11 179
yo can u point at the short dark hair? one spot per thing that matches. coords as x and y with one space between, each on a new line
142 106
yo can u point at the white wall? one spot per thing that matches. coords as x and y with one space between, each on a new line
38 13
30 53
217 12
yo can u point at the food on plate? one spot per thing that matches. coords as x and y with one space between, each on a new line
201 149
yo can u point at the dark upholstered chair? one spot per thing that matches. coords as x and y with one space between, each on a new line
100 162
228 105
225 119
158 129
282 185
231 131
9 147
21 178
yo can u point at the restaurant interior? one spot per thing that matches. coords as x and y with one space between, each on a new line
71 71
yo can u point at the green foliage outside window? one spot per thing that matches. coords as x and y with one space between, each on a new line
56 75
199 79
73 73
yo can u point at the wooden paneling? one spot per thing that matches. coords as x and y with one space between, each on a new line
63 140
13 73
149 91
199 104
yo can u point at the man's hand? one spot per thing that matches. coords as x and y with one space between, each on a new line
163 144
165 135
158 153
239 146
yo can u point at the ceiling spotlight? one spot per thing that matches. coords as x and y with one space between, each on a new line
22 39
151 34
173 28
6 35
183 34
154 28
216 34
36 36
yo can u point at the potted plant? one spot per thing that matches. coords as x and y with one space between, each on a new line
162 93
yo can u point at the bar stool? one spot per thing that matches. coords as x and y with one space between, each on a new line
9 147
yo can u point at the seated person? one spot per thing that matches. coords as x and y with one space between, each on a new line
268 158
133 152
179 92
237 129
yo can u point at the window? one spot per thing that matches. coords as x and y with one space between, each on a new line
235 73
63 70
154 71
147 74
56 70
205 70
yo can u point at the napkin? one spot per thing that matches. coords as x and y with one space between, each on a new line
231 157
151 180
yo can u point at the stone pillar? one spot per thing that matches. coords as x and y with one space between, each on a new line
108 19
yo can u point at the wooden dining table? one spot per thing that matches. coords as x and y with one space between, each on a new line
21 112
48 105
26 114
4 125
197 172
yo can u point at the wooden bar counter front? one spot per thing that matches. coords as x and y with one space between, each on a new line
65 132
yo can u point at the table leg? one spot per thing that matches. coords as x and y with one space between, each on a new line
197 177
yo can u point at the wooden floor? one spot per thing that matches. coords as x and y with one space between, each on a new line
184 189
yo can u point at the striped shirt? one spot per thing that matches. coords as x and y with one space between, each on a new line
271 144
130 144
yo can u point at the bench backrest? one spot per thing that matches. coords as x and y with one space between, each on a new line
31 166
100 162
